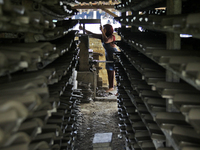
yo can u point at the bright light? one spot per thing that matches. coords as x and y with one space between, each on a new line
141 29
185 35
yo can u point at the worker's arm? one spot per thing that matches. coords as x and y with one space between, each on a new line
105 38
94 35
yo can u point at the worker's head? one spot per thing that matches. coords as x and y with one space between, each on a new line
108 29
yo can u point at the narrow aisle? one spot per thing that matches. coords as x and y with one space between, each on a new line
98 117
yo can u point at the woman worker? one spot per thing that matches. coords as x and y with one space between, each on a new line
107 39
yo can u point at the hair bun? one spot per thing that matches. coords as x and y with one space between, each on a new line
109 29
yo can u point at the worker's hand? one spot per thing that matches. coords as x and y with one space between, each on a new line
101 28
80 27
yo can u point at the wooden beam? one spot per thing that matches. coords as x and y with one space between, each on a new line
104 9
109 12
89 21
93 7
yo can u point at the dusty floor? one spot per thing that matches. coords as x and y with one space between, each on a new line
98 117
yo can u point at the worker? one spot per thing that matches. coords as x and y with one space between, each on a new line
107 39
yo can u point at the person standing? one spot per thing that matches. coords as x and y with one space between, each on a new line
107 38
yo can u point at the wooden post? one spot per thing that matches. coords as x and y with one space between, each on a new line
123 16
173 43
173 39
84 54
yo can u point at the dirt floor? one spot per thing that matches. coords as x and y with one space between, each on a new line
98 117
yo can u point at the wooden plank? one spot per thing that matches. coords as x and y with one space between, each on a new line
88 21
93 7
109 12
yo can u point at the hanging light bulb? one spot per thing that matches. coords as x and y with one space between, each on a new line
80 11
100 11
61 3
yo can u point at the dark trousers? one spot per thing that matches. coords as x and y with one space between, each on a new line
111 77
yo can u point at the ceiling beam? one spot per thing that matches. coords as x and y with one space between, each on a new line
109 12
93 7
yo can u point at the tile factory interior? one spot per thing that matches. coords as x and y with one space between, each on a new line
55 89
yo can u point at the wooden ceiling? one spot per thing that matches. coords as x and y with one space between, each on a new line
94 1
107 6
